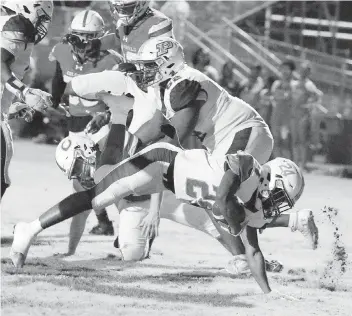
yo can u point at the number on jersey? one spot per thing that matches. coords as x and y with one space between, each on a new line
200 192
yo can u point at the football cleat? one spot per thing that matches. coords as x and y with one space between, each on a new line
22 239
103 229
303 221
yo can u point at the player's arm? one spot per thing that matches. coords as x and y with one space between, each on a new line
227 206
315 94
109 41
92 86
255 258
6 59
58 85
186 99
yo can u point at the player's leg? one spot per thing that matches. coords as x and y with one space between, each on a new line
258 142
304 139
111 153
132 244
141 174
6 155
302 221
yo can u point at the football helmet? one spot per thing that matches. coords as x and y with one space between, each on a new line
76 157
85 26
38 12
158 59
126 12
281 185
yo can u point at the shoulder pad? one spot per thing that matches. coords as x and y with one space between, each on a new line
180 92
18 28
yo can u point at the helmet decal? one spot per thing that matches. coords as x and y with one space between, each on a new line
163 48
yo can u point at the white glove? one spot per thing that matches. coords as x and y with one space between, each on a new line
37 99
21 110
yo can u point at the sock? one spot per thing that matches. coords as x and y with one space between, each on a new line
36 227
72 205
292 223
241 256
103 217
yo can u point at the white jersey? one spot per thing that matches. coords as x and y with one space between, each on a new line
117 84
17 38
198 174
221 116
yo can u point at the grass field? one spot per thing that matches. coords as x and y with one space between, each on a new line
184 275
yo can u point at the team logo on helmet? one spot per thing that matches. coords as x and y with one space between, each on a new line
163 48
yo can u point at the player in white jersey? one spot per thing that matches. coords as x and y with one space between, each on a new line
227 124
136 22
23 25
238 193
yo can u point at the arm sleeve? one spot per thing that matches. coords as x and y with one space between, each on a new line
184 93
87 86
241 164
58 85
312 88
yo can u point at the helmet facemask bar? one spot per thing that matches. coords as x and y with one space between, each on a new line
148 73
276 201
82 168
79 40
41 25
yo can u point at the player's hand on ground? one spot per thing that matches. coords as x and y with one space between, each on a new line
97 122
150 224
37 99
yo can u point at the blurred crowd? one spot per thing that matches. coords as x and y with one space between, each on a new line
287 103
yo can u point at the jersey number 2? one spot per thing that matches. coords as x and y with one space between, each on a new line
199 191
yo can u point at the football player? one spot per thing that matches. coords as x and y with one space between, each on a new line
71 61
23 25
237 192
136 22
194 104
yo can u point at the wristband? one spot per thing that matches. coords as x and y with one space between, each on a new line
16 86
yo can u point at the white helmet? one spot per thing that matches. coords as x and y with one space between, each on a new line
126 12
281 185
85 26
158 59
38 12
76 157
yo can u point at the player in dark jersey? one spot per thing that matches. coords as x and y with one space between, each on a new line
71 61
136 22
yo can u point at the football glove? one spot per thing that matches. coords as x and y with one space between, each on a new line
37 99
99 120
22 111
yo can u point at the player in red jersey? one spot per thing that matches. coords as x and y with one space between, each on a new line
71 61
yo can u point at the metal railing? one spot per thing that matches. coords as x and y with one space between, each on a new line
218 58
244 15
201 35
